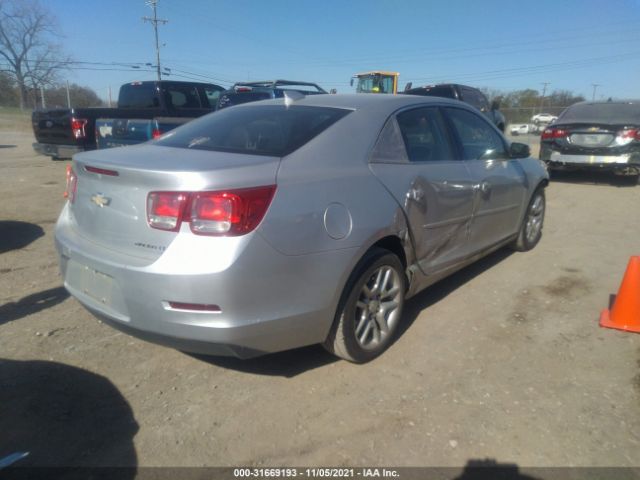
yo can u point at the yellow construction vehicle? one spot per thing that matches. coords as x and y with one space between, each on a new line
376 82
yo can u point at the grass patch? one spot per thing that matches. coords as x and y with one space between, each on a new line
14 120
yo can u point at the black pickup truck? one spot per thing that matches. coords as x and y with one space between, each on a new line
464 93
62 132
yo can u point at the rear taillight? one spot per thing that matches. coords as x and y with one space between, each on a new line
156 133
223 213
165 209
631 134
77 127
72 185
550 133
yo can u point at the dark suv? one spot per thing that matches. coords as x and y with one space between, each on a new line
466 94
244 92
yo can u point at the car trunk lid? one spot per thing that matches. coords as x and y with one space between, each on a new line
110 205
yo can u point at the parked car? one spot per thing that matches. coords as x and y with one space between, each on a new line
464 93
521 129
244 92
595 136
281 226
543 118
61 132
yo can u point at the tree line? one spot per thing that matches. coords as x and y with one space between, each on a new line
54 95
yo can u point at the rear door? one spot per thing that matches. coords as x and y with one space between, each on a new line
499 181
415 160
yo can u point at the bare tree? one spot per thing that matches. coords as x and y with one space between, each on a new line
28 49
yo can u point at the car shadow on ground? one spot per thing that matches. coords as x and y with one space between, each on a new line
62 416
436 292
596 178
283 364
489 469
294 362
8 146
31 304
15 235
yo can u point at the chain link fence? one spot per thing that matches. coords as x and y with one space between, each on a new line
526 115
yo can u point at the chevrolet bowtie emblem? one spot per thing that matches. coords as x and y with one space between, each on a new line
100 200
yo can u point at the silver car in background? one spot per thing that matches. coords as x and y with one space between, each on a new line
278 224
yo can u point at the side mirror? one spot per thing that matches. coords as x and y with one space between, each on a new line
519 150
495 105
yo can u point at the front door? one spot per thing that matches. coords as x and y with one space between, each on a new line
499 182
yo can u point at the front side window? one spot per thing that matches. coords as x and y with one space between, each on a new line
475 98
479 139
212 95
274 130
424 135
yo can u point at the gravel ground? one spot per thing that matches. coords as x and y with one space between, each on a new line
503 360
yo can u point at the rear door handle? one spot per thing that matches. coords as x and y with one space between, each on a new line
484 187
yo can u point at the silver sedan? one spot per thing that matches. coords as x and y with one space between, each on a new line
290 222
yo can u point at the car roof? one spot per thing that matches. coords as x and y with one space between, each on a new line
362 101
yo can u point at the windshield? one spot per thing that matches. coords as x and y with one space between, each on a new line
274 130
610 112
375 84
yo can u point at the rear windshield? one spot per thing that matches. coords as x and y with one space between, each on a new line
274 130
443 91
613 113
138 95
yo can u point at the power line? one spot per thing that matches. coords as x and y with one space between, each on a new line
155 21
595 86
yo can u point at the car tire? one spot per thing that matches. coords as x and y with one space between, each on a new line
364 327
532 223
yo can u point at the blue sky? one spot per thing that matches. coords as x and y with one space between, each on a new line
504 45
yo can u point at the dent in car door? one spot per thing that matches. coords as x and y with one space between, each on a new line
415 161
499 182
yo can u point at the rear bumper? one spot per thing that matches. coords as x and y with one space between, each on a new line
623 164
269 301
57 151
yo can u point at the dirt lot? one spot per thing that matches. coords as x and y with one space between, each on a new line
503 360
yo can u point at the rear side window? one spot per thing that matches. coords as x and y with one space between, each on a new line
613 113
180 97
424 136
138 95
274 130
479 139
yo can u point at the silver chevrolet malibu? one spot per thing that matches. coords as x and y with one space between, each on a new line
278 224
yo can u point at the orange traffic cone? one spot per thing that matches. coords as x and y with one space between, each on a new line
625 313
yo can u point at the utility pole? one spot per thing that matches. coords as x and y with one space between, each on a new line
109 96
595 86
68 96
544 92
155 21
44 104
